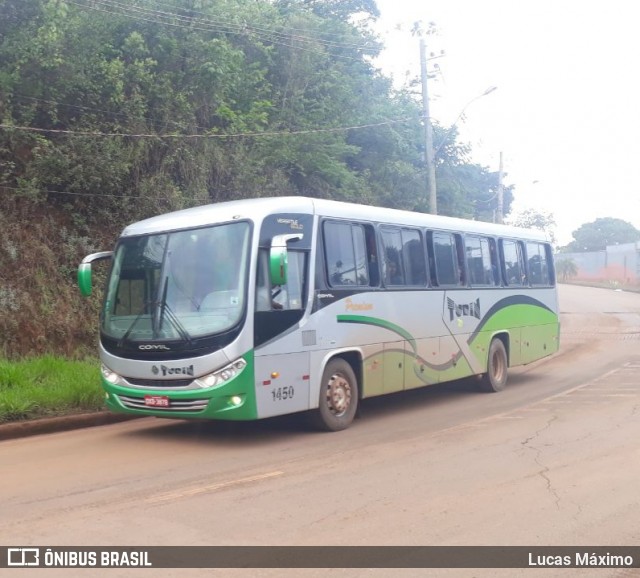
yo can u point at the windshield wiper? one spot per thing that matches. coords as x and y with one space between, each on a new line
158 318
171 316
142 311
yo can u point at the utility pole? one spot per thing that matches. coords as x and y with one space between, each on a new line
500 215
428 134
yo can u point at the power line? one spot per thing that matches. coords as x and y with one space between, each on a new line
205 18
206 136
111 112
266 30
110 195
207 25
208 29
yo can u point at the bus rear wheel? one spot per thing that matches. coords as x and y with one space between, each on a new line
338 397
495 379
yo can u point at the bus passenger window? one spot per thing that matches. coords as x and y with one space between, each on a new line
514 268
414 259
346 254
448 259
538 266
404 257
372 256
481 261
392 245
495 263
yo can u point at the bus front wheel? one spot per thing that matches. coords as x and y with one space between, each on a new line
338 397
495 379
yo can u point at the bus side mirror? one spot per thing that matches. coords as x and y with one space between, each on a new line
84 271
278 258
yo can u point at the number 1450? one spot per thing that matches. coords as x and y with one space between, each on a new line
282 393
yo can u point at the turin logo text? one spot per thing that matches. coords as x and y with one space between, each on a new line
164 370
463 309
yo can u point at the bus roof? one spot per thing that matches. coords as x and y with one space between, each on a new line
258 208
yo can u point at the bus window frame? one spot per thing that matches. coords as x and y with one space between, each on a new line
548 255
460 261
384 227
522 262
372 261
494 261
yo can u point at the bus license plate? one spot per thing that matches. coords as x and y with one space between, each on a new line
156 400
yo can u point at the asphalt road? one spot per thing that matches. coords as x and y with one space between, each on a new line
552 460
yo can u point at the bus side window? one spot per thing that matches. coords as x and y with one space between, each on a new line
404 256
392 244
482 265
496 270
461 261
515 272
281 297
448 258
372 255
350 255
263 291
538 264
413 255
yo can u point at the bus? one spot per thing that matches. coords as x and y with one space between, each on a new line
261 307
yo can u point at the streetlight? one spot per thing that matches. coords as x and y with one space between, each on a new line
455 122
431 153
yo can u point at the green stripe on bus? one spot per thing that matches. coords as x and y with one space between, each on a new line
376 321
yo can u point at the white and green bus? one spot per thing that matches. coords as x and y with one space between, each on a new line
262 307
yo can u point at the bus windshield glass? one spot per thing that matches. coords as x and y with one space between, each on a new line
179 285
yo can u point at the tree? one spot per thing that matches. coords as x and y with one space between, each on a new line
595 236
566 268
465 189
532 219
115 113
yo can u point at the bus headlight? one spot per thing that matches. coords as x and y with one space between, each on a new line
223 375
109 376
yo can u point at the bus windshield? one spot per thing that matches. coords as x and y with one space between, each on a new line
179 285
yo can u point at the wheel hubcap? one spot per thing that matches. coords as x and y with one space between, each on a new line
338 395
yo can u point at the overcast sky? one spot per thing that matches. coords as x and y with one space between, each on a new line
566 112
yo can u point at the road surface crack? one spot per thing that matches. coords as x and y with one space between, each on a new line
543 473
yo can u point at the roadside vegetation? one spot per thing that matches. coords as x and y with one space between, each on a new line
114 112
111 112
48 386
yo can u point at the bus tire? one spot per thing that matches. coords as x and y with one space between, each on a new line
495 379
338 397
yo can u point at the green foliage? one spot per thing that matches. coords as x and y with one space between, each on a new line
465 189
605 231
144 107
196 76
532 219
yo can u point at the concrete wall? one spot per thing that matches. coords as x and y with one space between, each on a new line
619 263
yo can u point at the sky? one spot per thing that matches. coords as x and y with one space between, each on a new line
566 111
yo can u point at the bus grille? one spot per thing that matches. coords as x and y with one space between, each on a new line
159 382
175 404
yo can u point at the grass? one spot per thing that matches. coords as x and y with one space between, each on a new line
48 386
